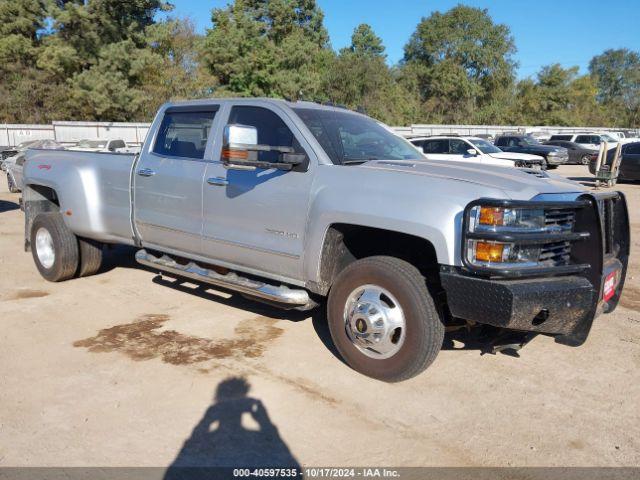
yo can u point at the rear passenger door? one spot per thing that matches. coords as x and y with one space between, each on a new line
169 178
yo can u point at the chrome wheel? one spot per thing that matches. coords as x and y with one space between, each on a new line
585 160
374 321
44 248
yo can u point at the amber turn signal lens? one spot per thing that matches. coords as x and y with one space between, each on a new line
491 216
228 154
489 252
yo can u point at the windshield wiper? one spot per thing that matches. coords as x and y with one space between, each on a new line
356 161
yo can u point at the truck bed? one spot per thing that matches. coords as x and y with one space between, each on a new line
98 200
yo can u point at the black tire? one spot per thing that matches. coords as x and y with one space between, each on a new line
424 328
65 247
90 257
585 160
11 185
551 167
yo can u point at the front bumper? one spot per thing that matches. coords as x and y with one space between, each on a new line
560 299
564 306
557 159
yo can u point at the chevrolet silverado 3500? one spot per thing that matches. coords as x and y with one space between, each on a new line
294 202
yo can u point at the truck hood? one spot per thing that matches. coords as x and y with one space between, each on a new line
516 183
515 156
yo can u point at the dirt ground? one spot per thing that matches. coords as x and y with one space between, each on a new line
125 368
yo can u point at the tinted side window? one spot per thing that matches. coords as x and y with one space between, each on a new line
184 134
117 144
501 141
560 137
513 142
272 130
458 147
436 146
633 149
587 139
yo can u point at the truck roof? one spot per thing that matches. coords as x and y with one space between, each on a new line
275 101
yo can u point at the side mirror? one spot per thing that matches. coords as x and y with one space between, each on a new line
472 151
240 150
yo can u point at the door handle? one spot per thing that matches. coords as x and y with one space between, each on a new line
146 172
218 181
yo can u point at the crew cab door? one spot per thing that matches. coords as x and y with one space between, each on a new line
169 177
255 220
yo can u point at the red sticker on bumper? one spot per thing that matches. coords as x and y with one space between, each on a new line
610 284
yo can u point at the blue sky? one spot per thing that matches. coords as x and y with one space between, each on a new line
568 32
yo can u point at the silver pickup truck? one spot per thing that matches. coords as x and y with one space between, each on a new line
294 202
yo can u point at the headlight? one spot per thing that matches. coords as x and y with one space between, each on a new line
554 153
487 253
494 219
509 236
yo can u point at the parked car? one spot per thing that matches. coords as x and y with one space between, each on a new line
578 153
106 145
13 166
629 162
554 156
11 151
294 202
590 141
473 150
539 136
625 137
486 136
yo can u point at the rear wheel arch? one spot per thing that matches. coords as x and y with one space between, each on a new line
37 199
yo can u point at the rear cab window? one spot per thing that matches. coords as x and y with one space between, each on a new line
184 132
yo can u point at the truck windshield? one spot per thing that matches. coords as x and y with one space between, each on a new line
484 146
348 138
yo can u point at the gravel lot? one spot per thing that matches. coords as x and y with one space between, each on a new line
125 369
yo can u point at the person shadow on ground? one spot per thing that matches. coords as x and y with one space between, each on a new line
221 440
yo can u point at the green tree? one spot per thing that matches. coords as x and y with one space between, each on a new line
364 41
267 48
558 96
462 61
617 76
360 78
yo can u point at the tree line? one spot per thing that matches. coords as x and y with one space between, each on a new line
114 60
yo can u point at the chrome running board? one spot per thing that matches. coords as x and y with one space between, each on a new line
281 294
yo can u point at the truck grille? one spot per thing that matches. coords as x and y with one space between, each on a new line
555 254
560 219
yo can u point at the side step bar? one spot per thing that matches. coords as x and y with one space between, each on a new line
281 295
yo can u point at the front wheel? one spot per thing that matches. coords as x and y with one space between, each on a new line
383 320
585 160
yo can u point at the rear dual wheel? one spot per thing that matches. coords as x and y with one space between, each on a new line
383 320
58 254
